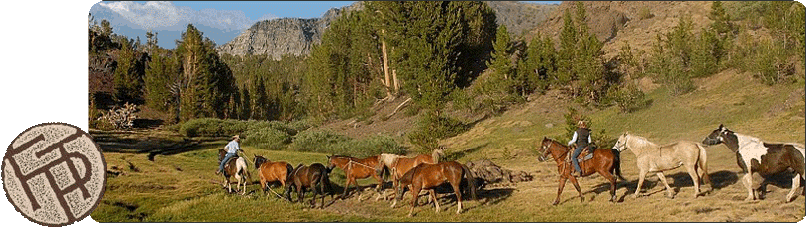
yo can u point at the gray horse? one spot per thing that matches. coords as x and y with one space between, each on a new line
653 158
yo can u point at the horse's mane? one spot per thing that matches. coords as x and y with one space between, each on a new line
641 142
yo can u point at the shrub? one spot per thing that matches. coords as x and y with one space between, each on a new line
267 138
431 128
645 14
120 118
627 97
332 143
367 147
317 141
201 127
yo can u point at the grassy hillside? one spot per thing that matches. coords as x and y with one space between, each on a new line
773 113
183 188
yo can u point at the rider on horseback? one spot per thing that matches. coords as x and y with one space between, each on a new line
582 138
232 150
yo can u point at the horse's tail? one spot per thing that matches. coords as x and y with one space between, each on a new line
471 181
703 163
324 182
435 155
617 163
288 171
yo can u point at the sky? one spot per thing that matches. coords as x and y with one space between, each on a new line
221 21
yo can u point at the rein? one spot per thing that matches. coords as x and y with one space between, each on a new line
365 165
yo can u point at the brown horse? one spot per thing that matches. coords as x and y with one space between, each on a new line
236 166
428 176
272 172
399 165
605 162
357 168
309 177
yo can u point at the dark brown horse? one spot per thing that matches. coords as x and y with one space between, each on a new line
309 177
428 176
355 168
272 172
605 162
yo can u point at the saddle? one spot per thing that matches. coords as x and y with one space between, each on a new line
233 159
585 155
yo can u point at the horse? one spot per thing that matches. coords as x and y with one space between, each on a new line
605 162
754 155
236 166
355 168
653 158
272 172
428 176
399 165
309 177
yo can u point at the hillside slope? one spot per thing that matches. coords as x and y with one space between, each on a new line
743 104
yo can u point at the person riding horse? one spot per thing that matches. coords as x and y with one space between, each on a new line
582 137
232 150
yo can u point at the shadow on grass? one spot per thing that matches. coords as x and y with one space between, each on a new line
456 155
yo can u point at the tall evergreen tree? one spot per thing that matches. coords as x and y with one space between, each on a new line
127 78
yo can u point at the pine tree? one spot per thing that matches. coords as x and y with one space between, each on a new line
566 54
206 83
128 81
161 71
500 61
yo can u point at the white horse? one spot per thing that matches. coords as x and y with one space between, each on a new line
653 158
241 174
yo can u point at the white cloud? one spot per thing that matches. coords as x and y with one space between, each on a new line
167 16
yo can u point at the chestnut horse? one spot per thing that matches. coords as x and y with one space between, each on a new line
272 172
309 177
428 176
355 168
399 165
605 162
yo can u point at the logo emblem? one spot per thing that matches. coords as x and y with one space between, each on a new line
54 174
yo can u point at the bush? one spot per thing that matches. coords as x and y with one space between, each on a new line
374 145
430 129
120 118
267 138
317 141
201 127
332 143
644 14
627 97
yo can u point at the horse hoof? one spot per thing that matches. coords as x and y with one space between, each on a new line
410 215
555 203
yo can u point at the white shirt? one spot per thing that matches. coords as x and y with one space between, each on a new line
232 147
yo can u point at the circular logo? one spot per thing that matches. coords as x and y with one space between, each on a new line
54 174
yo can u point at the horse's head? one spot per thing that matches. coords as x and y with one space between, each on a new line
335 160
549 146
259 160
621 143
544 147
717 136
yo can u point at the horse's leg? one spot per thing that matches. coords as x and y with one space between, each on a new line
747 180
641 177
695 178
612 179
795 186
346 186
458 192
415 191
560 190
378 188
669 191
579 190
433 196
